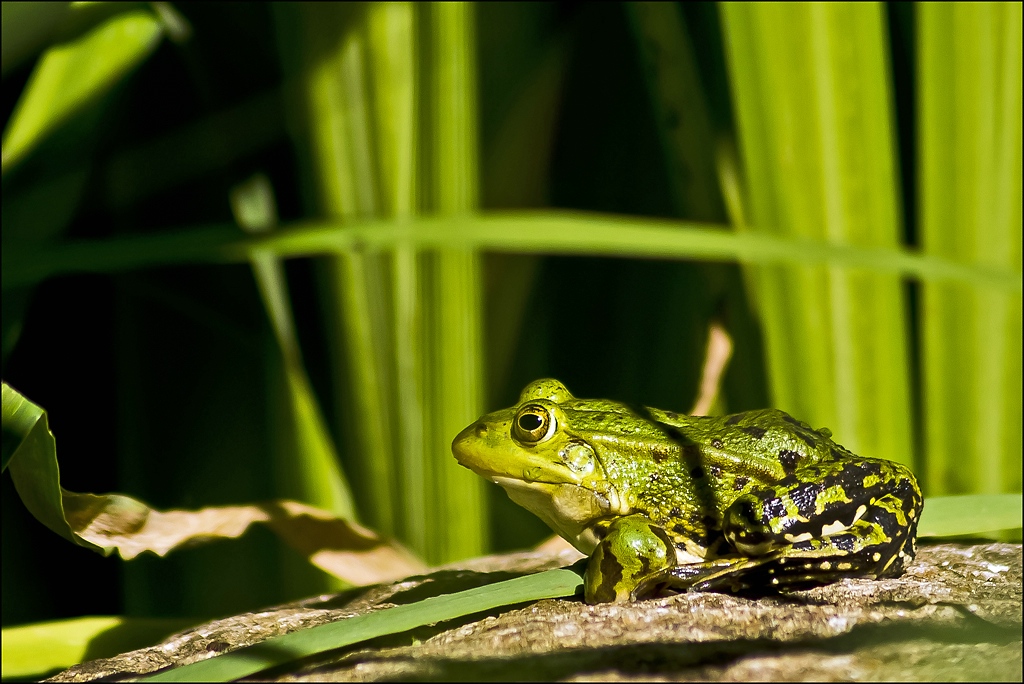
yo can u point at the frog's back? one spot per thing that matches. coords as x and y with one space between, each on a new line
765 445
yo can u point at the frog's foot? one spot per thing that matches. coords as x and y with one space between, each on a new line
721 574
633 549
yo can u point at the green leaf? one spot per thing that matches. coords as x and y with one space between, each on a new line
31 454
392 56
333 106
536 232
969 122
954 516
812 90
37 650
455 386
75 73
252 659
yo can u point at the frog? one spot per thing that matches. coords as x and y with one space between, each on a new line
664 502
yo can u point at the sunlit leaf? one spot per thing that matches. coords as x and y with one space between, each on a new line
455 385
969 122
37 650
815 119
70 75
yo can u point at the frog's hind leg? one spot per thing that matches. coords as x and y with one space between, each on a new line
830 520
879 544
721 574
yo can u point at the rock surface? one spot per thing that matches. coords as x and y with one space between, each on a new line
954 615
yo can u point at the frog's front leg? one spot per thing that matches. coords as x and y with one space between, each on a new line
633 549
830 520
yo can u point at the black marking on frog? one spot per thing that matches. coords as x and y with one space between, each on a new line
836 453
789 460
754 431
803 545
905 491
697 472
676 512
645 565
660 452
740 482
843 541
790 419
611 572
772 506
717 443
654 477
716 471
811 441
805 496
735 418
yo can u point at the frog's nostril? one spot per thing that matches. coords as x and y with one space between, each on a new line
481 430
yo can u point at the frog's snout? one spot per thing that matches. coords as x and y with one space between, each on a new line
461 444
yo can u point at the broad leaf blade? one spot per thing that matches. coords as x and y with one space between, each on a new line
36 650
969 109
811 82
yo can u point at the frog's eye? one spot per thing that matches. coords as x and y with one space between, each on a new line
533 424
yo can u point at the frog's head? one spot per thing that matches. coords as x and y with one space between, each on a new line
531 451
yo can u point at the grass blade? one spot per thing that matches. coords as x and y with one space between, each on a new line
548 232
456 390
549 584
953 516
306 457
392 48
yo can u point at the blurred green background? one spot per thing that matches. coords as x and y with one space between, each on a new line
861 162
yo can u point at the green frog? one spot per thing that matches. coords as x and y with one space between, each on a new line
666 501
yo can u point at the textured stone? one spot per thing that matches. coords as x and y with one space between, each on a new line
954 615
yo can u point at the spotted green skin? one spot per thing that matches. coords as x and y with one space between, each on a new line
660 500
